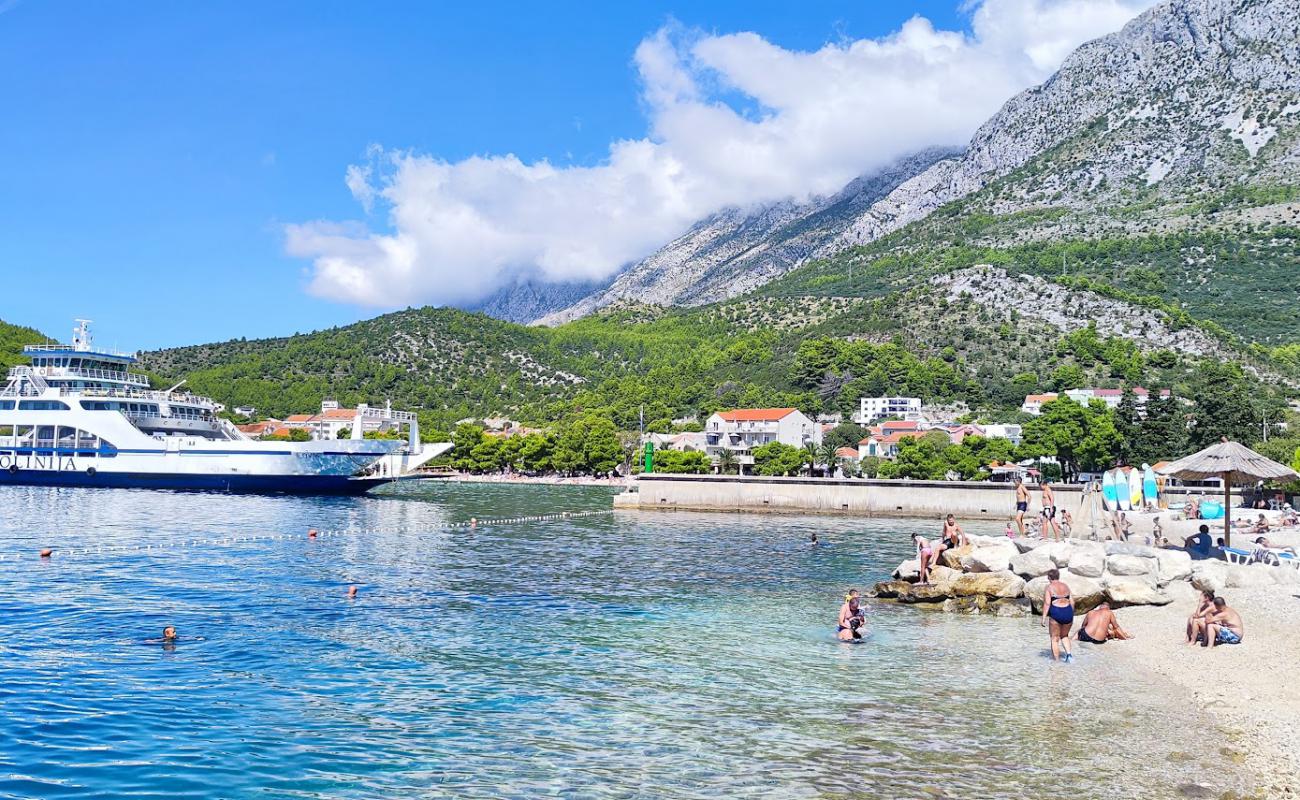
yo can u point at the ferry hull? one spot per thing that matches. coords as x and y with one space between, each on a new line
235 484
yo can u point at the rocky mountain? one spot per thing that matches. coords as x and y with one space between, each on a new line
1193 106
737 250
525 300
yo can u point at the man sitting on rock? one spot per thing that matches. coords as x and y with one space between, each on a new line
1224 626
1101 625
1199 545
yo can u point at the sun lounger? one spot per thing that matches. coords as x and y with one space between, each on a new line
1234 555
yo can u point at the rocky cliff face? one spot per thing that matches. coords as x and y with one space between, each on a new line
1192 100
736 250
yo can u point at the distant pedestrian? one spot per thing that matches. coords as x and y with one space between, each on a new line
1022 504
1049 512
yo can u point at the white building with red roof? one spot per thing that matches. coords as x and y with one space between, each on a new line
333 418
743 429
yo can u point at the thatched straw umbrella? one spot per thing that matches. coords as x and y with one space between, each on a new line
1234 463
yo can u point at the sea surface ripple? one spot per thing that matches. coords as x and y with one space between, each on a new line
656 655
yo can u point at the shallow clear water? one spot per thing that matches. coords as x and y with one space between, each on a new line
631 655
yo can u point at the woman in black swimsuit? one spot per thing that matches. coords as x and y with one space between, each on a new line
1058 614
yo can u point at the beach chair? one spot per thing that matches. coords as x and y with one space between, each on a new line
1235 555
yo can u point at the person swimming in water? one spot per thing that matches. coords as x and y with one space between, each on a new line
851 618
1058 606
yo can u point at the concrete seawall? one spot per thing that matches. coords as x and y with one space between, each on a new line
876 498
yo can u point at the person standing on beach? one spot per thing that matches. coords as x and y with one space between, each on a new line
1022 504
1058 614
1049 512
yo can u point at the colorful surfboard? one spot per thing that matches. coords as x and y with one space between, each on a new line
1149 490
1135 487
1121 490
1108 495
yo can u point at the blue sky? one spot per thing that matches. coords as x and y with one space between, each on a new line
155 152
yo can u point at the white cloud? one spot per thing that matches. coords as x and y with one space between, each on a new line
810 122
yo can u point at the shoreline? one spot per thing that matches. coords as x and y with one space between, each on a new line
1247 689
538 480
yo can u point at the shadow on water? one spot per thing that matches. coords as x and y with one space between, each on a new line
656 655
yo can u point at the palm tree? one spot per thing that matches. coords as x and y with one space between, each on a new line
726 461
812 454
829 457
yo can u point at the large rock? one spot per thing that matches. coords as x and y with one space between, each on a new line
943 576
988 584
990 558
1131 565
965 605
1128 591
890 588
923 593
1059 552
952 558
1129 549
1032 563
1242 575
1173 565
909 570
1087 593
1210 576
1024 543
1010 607
1087 562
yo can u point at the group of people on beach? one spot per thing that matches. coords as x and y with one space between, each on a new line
1214 622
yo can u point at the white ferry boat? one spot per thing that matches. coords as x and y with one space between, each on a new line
77 416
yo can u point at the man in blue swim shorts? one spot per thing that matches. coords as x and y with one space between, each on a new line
1224 626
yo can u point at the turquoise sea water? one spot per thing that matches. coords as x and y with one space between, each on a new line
654 655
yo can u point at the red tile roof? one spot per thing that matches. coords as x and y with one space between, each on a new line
298 418
1041 398
847 452
756 414
900 425
338 413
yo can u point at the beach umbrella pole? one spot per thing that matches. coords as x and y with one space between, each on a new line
1227 511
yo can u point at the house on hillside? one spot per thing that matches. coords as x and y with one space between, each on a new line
332 419
871 409
743 429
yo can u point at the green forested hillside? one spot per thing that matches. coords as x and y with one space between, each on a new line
12 339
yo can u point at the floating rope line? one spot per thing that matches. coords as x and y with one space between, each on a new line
472 524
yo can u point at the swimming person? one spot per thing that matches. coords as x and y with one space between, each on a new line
924 554
169 633
1049 512
851 618
1100 625
1022 504
1224 626
352 592
1196 622
1058 606
812 539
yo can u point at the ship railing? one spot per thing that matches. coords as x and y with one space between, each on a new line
140 394
67 348
24 382
96 374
